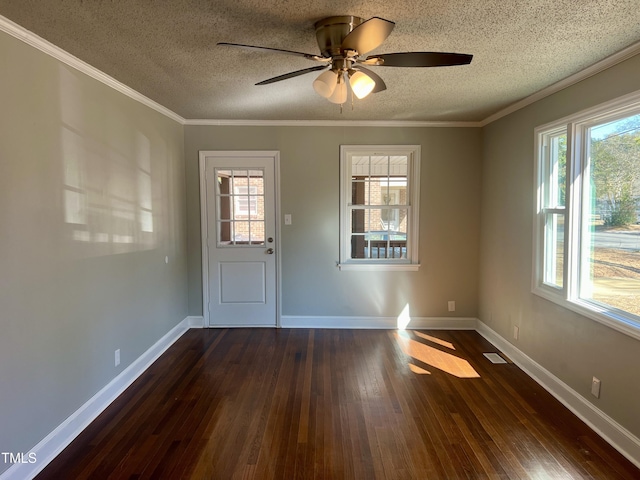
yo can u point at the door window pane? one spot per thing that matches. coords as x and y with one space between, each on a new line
241 207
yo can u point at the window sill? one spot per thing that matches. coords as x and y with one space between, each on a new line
602 315
380 267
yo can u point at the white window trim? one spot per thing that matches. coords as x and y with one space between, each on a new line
413 187
568 296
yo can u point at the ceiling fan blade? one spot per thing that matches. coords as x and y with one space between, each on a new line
368 35
297 73
419 59
380 85
276 50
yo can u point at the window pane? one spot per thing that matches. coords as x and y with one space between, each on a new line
225 232
256 181
359 247
247 203
239 177
360 166
241 232
555 170
377 188
370 238
610 257
257 207
554 249
398 165
387 245
359 221
257 233
357 191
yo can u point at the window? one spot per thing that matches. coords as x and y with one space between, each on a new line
380 195
240 200
587 244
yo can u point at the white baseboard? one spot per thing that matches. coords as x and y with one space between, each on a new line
615 434
194 322
441 323
67 431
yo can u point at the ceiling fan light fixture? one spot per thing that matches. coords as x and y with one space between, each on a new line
361 84
343 40
326 83
340 92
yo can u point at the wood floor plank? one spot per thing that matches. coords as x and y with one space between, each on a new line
335 404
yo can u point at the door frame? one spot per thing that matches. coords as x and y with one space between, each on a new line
204 224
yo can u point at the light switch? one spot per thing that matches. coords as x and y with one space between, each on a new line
287 219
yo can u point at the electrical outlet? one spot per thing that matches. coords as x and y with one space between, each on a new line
595 387
452 305
516 332
117 357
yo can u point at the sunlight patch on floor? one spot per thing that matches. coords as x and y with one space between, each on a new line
418 370
437 340
451 364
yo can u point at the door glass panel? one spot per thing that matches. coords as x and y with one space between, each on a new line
241 207
257 236
257 207
257 180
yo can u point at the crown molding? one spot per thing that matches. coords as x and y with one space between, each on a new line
610 61
50 49
330 123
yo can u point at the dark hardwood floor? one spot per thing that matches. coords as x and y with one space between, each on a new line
336 404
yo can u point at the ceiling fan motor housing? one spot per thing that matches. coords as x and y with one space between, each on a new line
330 32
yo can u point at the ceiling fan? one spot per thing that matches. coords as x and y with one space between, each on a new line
343 42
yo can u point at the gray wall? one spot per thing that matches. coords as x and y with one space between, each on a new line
572 347
82 269
309 159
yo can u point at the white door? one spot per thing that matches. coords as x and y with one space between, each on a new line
240 238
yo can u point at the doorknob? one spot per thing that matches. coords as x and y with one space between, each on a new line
270 251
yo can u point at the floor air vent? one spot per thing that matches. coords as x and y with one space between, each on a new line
494 358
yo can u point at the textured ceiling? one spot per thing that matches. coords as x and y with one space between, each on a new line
167 51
